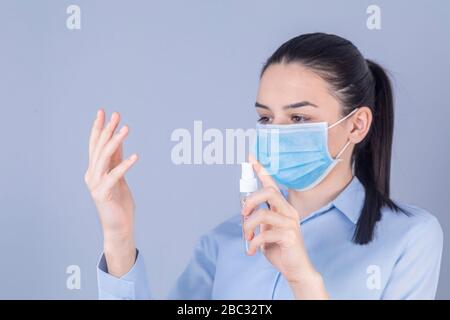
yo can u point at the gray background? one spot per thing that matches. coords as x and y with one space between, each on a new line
164 64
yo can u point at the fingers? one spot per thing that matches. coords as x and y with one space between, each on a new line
97 127
266 237
118 172
268 194
261 172
106 166
105 135
117 155
282 237
263 216
111 147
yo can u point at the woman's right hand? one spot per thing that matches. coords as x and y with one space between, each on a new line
110 192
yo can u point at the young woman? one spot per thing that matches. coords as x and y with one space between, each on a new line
333 233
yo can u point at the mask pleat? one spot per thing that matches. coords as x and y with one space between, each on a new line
309 178
295 155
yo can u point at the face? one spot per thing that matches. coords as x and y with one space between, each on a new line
291 93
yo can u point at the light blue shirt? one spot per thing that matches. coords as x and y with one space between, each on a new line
402 262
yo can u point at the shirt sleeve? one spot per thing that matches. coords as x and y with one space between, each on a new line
195 282
132 285
197 279
416 273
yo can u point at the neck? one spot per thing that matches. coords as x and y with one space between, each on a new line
306 202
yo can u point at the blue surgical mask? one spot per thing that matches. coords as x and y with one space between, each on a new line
296 155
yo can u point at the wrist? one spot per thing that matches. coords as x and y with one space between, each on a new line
309 285
118 245
306 278
114 238
120 253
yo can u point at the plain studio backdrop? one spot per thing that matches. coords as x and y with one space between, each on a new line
164 65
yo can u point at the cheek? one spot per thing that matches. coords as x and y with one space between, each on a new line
336 141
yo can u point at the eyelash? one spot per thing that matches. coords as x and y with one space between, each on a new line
265 119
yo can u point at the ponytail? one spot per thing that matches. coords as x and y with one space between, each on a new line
372 157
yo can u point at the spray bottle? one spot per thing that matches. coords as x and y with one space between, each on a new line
247 185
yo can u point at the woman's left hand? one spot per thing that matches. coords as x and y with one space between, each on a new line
280 238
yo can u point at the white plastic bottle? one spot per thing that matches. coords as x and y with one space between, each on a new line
247 185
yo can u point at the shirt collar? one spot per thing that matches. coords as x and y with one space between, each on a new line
349 201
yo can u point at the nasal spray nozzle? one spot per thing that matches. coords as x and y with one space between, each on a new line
247 185
248 182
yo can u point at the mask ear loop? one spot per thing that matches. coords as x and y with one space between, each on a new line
338 156
340 120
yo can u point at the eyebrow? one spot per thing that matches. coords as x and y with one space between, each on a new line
289 106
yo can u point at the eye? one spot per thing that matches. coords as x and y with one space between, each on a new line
263 120
299 118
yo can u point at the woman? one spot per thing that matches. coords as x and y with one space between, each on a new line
334 233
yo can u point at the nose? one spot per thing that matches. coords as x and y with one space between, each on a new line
280 120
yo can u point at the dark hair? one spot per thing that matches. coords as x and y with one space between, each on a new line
355 81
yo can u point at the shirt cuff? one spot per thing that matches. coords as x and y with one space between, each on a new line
132 285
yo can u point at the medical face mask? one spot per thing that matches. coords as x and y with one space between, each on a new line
296 155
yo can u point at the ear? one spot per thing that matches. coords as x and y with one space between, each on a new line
360 122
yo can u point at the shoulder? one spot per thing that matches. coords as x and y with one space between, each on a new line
221 234
413 225
229 228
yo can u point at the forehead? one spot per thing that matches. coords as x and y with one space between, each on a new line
283 84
